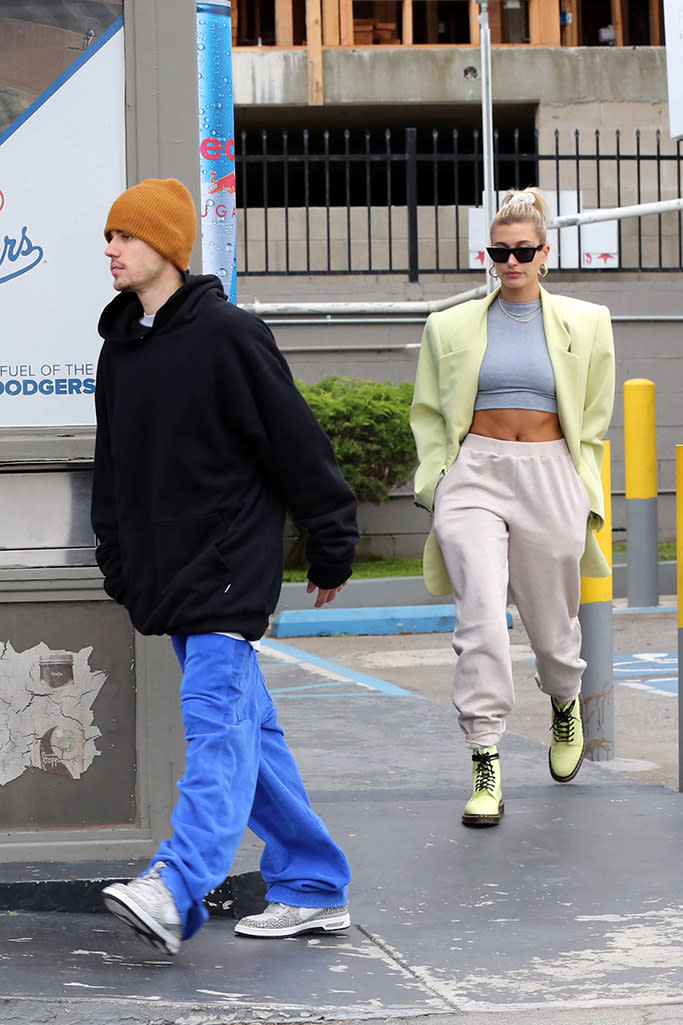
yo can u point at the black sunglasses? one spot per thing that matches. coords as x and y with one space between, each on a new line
522 254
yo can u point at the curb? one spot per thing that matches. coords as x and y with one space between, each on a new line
329 621
237 896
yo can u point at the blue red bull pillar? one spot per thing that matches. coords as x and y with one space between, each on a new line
217 143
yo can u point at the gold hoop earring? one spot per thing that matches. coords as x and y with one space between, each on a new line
493 272
542 271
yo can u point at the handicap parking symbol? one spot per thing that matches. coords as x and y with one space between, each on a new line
653 670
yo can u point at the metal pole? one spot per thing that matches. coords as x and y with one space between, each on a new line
487 122
597 648
616 213
411 203
640 459
331 309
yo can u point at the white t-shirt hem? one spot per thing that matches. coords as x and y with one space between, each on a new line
256 645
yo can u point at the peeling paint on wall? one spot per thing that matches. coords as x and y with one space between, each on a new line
46 717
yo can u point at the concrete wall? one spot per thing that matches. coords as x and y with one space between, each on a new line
602 85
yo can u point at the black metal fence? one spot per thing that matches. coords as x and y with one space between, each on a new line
400 202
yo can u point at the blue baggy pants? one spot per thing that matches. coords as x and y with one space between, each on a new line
239 772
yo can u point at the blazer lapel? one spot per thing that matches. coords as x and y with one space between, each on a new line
475 328
566 367
556 331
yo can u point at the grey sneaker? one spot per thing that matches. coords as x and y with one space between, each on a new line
284 920
146 905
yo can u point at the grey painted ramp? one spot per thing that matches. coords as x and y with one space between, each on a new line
336 977
571 911
576 898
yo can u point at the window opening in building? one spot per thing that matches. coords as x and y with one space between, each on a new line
377 22
449 22
515 21
441 21
596 27
255 23
637 18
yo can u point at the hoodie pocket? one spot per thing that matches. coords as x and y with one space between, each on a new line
171 563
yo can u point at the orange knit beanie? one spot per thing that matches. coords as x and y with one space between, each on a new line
160 212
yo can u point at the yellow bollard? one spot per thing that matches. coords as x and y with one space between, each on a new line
640 456
640 438
594 589
597 646
679 532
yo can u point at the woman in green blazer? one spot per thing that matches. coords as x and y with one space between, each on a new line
513 395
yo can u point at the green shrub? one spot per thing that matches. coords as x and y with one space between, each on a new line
369 427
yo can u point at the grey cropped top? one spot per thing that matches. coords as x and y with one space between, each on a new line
516 372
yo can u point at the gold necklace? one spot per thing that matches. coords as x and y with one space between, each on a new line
523 318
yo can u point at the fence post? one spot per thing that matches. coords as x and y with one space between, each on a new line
640 444
679 591
597 648
411 202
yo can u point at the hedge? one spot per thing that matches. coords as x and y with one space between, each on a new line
368 423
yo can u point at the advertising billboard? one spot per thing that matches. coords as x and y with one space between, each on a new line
62 162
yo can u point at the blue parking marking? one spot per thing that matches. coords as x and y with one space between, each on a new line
667 685
654 671
337 681
651 663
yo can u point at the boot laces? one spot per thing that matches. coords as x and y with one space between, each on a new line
485 777
563 723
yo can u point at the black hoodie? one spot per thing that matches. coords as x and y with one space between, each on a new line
203 442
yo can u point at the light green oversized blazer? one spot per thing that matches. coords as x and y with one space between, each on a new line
581 348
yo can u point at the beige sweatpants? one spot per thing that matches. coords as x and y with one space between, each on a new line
511 514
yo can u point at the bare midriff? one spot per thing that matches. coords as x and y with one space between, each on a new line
517 425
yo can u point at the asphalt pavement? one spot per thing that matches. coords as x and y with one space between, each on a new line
568 912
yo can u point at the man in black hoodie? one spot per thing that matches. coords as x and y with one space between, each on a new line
203 443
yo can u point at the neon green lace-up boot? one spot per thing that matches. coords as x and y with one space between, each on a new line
486 806
566 750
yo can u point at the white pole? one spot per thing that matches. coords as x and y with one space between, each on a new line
487 122
616 213
332 309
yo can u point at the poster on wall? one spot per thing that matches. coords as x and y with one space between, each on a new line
62 162
68 725
673 30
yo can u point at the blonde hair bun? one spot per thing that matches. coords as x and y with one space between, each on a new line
521 205
525 197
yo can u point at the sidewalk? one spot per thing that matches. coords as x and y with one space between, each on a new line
569 912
